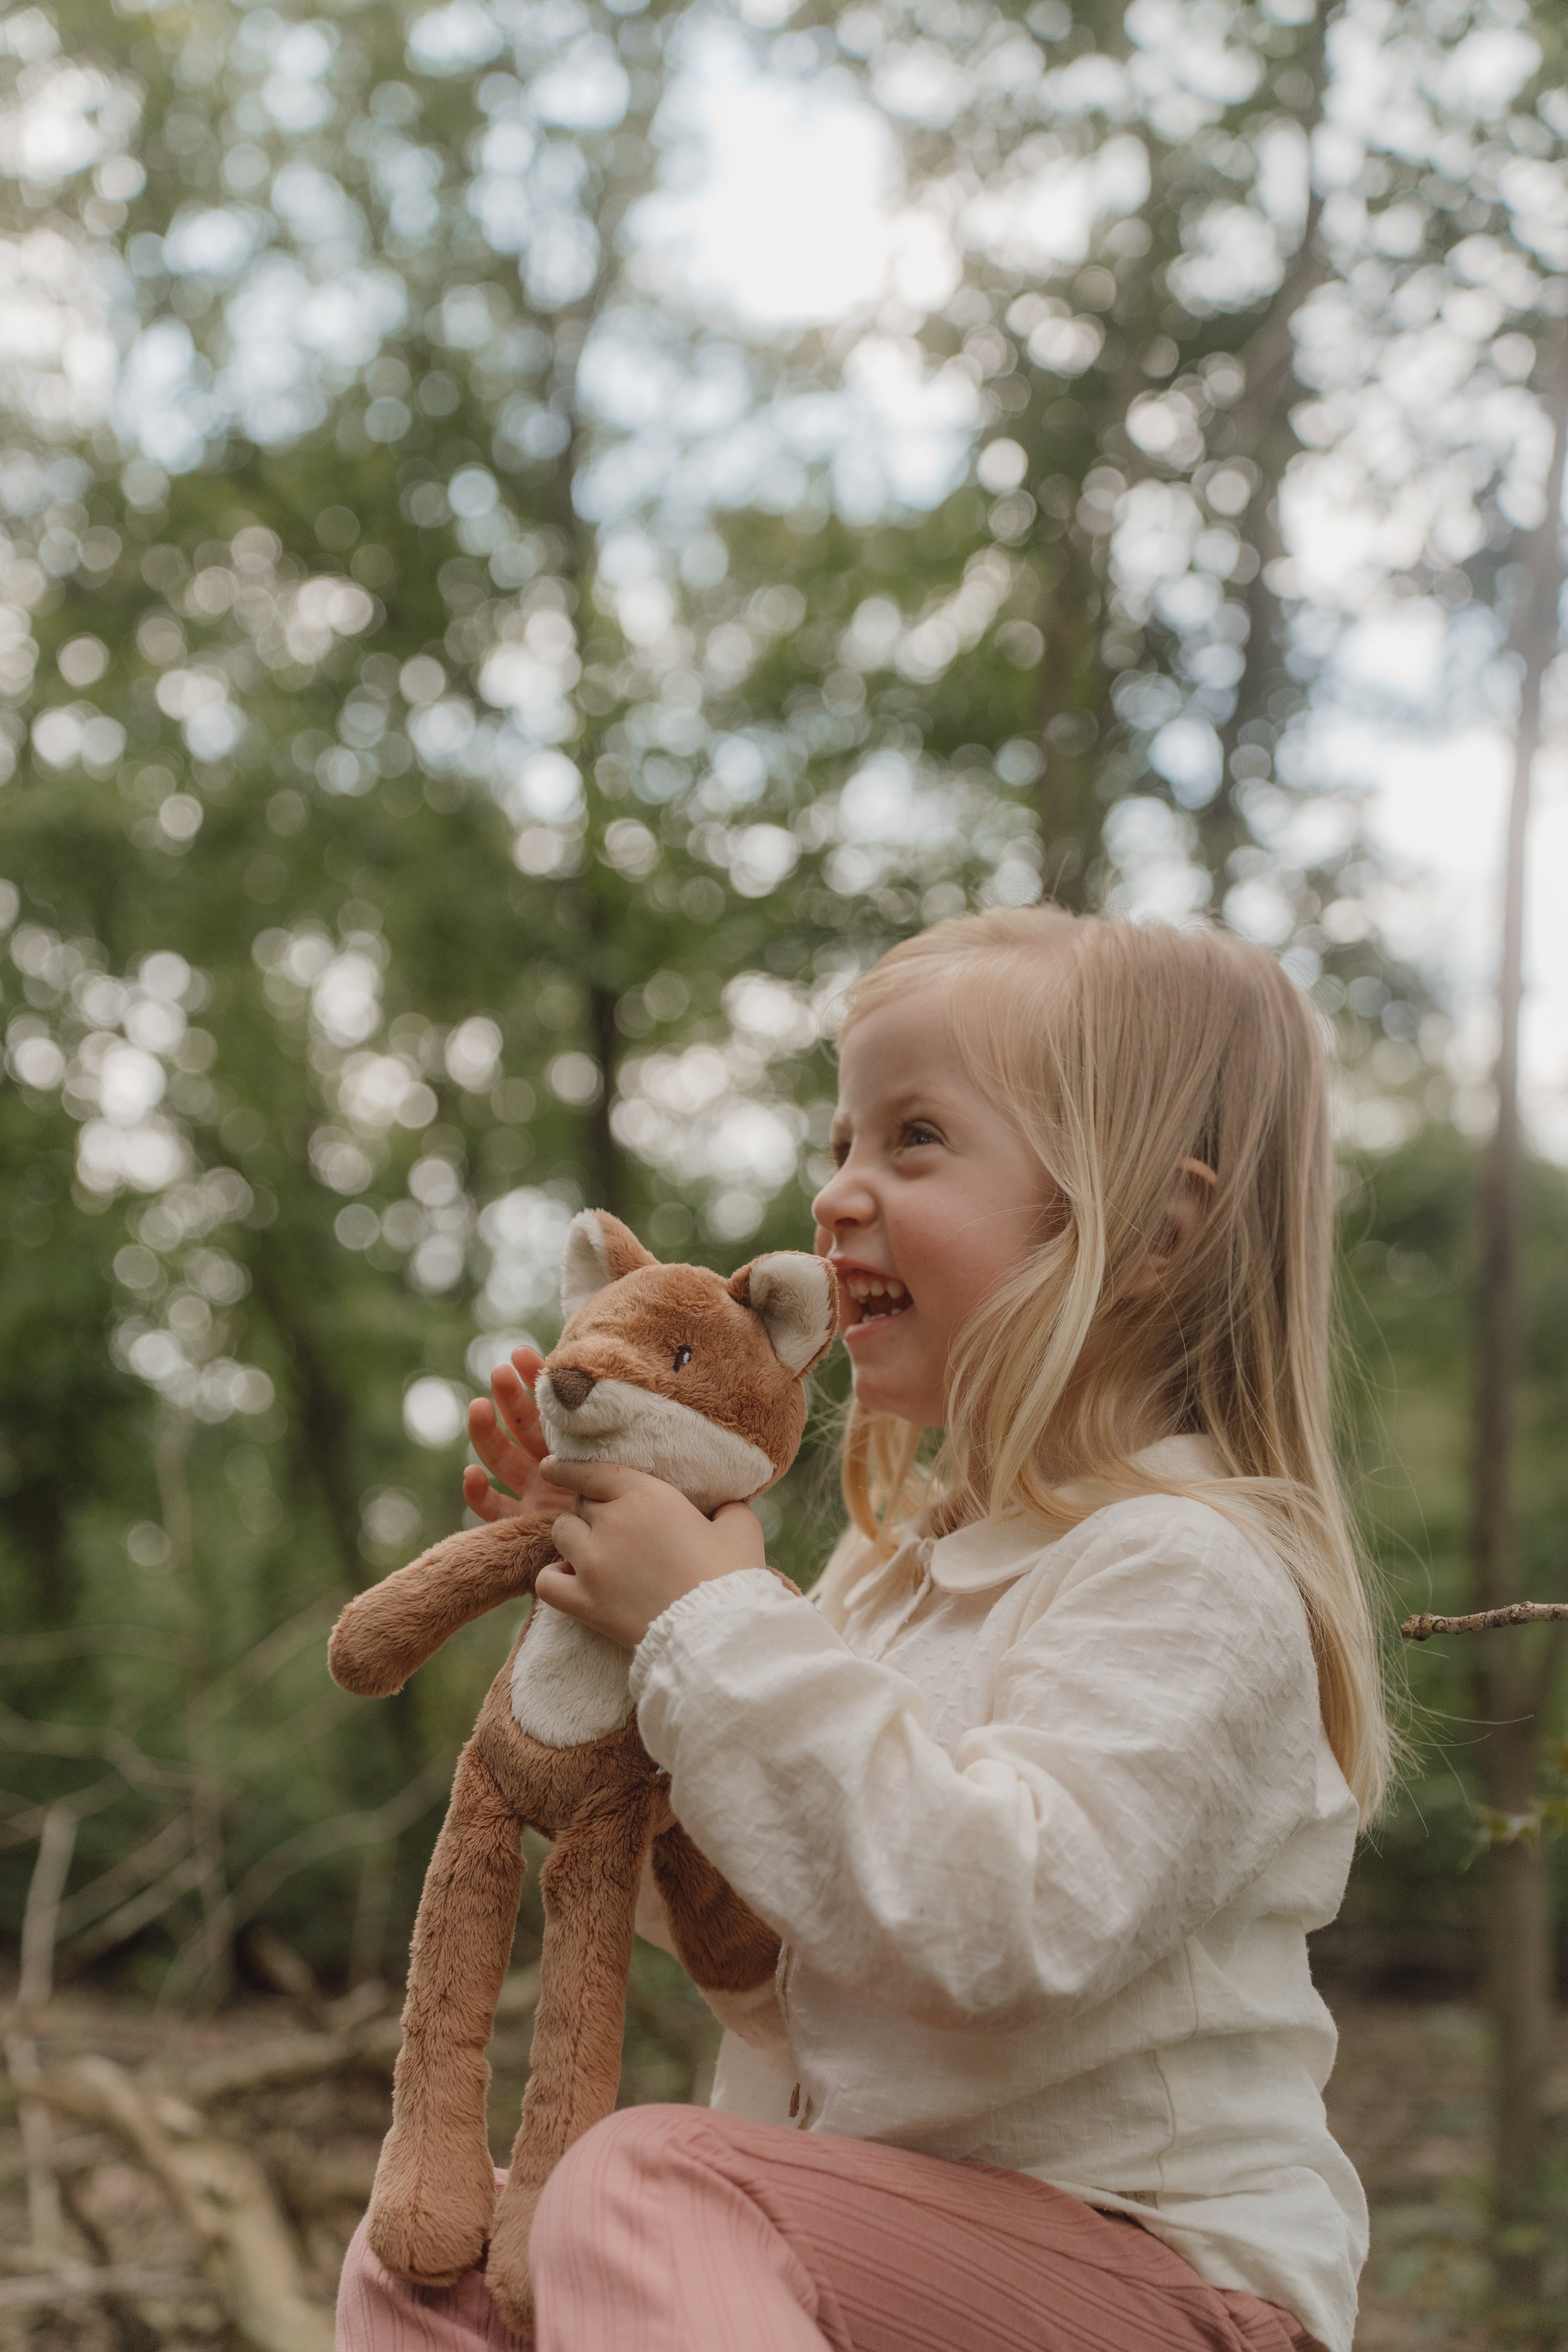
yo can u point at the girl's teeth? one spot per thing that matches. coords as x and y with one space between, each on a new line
862 1287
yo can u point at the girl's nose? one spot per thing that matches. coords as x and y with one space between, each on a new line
844 1200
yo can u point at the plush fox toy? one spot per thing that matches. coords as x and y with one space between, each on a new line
667 1369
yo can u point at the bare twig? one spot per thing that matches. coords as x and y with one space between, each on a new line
206 1780
285 1741
248 2250
45 2218
141 1910
83 1640
24 1818
338 1835
127 1876
56 1845
270 1655
105 1745
1486 1621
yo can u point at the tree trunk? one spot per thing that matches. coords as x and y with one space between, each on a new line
1519 1955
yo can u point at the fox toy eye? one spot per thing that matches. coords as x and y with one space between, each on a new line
682 1357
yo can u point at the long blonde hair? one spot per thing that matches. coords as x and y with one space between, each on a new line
1120 1050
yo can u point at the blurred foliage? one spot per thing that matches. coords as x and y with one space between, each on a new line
1408 1234
467 708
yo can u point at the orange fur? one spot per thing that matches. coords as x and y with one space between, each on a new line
601 1801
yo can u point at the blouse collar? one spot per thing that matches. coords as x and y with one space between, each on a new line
993 1552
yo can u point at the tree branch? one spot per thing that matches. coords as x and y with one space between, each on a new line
1486 1621
307 2057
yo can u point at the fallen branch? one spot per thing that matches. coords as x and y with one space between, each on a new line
247 2250
1486 1621
306 2057
45 2226
292 2058
83 2284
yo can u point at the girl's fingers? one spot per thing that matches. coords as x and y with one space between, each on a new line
501 1455
484 1500
597 1482
557 1588
570 1536
514 1404
538 1499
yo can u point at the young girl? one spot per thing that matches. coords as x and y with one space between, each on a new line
1046 1784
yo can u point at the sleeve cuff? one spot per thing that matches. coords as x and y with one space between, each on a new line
738 1593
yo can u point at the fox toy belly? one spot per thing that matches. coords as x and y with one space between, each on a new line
569 1685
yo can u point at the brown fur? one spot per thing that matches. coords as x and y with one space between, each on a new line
602 1804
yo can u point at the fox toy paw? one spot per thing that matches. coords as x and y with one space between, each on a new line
434 2222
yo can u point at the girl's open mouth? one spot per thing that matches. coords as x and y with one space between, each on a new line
872 1301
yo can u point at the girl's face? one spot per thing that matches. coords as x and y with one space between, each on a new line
936 1198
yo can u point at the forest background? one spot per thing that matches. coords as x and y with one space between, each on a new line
471 694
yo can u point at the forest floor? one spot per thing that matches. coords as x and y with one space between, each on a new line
1408 2102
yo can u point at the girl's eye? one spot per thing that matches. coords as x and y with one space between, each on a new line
682 1357
918 1132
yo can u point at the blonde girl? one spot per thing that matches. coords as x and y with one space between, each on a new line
1044 1786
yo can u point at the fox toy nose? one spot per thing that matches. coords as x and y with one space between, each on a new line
571 1386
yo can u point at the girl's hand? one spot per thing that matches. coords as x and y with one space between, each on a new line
634 1545
509 1441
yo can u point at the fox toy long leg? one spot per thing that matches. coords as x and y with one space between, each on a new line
723 1946
590 1886
384 1633
434 2200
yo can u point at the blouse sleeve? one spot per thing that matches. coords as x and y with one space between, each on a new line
1151 1741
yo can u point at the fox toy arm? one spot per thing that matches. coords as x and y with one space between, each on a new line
384 1633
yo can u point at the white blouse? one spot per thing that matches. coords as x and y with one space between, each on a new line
1043 1831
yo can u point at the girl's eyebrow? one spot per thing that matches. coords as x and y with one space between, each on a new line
925 1097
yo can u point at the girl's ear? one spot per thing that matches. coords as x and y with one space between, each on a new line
599 1250
797 1299
1185 1213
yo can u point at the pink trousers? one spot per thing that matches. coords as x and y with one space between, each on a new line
673 2230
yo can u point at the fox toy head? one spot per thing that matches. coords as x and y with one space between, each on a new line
672 1369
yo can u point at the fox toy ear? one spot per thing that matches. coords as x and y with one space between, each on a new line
797 1299
599 1250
